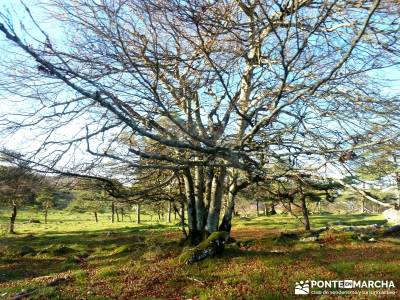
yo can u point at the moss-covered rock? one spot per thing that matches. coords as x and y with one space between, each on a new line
213 245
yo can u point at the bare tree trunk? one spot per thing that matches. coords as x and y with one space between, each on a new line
226 223
95 217
217 191
234 188
258 207
112 211
12 219
209 176
305 212
201 213
138 214
169 211
273 211
116 212
191 207
45 215
182 217
122 214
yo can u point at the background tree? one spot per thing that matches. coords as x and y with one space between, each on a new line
89 202
45 200
382 163
18 186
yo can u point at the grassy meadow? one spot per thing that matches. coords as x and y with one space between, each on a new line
72 257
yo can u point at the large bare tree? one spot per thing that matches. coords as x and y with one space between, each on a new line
220 93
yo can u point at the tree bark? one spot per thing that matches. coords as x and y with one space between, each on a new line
258 207
305 212
234 188
45 215
169 211
201 213
217 191
209 176
112 212
13 218
226 223
95 217
273 211
191 207
182 217
116 212
122 214
138 214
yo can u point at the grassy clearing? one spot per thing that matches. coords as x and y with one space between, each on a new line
68 222
128 261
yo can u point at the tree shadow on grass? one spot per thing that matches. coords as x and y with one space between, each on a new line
99 245
19 268
316 221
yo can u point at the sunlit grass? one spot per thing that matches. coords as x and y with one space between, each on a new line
60 222
127 260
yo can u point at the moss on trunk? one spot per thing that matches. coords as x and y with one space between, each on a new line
213 245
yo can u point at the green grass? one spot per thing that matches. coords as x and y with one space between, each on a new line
125 260
289 222
68 222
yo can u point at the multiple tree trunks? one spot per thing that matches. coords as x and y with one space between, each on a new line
203 202
206 189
